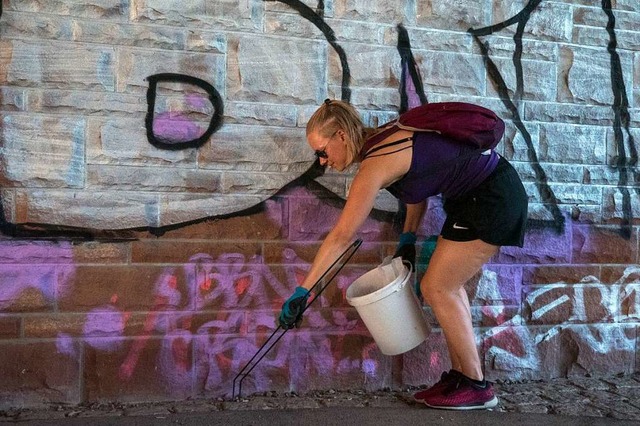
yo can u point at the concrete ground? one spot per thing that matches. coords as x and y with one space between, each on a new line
580 402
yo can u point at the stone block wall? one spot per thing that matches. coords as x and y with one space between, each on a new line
138 271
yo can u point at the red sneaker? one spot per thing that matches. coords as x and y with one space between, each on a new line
447 378
462 394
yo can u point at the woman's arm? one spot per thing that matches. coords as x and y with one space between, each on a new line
372 176
413 219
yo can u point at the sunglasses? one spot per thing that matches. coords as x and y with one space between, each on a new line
322 153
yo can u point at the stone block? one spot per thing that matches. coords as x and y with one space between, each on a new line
293 25
334 183
424 364
43 151
33 288
219 357
28 379
99 209
595 17
7 204
337 361
578 303
67 325
459 16
429 39
199 40
12 99
621 149
599 115
598 37
564 173
496 285
541 246
565 194
135 65
131 287
234 15
532 50
518 353
556 274
10 327
360 10
606 176
539 79
36 252
371 66
275 70
495 316
101 252
260 114
36 26
99 9
163 251
452 73
124 141
265 222
257 149
630 303
143 369
602 350
176 209
561 143
88 103
603 244
47 64
301 252
119 34
168 12
620 274
620 205
583 73
311 219
152 179
550 21
385 99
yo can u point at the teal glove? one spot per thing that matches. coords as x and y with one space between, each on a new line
291 314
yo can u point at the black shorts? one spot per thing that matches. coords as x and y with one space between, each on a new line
494 212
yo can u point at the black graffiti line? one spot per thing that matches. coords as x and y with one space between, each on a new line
621 115
214 98
523 15
408 64
546 193
313 17
320 8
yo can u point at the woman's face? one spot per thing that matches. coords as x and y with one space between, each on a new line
331 151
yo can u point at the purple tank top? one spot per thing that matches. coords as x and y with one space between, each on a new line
430 150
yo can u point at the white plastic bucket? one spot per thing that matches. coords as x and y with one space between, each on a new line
389 307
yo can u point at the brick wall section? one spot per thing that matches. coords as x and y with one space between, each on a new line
176 316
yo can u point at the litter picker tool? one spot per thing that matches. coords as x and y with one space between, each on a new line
275 337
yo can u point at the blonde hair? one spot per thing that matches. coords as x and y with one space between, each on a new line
335 115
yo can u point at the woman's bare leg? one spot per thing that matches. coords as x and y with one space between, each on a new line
453 263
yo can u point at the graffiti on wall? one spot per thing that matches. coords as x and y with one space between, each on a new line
210 315
243 295
171 130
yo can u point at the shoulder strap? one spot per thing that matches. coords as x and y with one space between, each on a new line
379 147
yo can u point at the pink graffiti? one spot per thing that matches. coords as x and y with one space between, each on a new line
176 126
49 272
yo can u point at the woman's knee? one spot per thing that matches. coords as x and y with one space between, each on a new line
432 293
